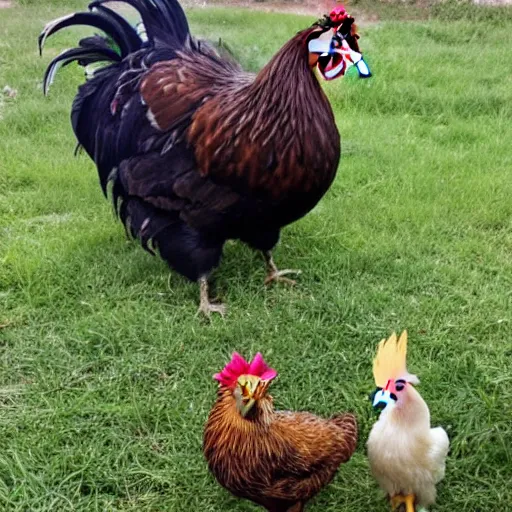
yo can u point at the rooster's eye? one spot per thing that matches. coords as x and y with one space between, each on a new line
324 59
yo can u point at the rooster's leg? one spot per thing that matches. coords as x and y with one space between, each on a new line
205 306
274 274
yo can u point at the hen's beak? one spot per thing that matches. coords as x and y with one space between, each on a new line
253 388
247 406
382 398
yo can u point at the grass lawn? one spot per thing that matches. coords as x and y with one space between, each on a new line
105 373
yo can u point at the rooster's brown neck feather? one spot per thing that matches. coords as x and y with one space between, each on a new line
276 136
287 83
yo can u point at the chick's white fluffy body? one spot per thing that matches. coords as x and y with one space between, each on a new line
406 455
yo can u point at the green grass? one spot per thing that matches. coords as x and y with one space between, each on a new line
105 373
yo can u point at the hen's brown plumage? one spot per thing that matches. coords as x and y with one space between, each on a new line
277 459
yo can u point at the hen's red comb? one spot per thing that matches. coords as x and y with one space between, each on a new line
338 14
239 366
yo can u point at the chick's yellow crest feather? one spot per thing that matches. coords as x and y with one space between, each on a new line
390 361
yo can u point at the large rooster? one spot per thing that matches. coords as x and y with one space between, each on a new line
407 456
278 459
198 151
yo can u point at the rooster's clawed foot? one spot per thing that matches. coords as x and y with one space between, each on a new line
276 275
206 307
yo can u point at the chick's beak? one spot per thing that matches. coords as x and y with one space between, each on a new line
382 398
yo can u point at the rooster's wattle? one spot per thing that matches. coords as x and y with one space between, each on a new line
198 151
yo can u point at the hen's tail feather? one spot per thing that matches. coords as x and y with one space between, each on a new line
77 54
348 423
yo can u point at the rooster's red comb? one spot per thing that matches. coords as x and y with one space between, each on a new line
338 14
239 366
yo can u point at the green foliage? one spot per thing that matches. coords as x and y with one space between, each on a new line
105 373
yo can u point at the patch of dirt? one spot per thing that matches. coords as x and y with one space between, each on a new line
4 4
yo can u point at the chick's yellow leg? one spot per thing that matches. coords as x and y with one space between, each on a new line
274 274
396 501
205 306
407 501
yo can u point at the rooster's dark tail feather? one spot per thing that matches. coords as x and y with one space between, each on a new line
83 55
98 49
164 20
164 23
124 35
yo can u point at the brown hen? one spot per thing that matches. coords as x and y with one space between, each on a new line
277 459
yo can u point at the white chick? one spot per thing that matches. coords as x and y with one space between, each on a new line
406 456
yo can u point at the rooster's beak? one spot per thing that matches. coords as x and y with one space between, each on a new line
382 399
334 61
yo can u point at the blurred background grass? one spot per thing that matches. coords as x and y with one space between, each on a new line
105 374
